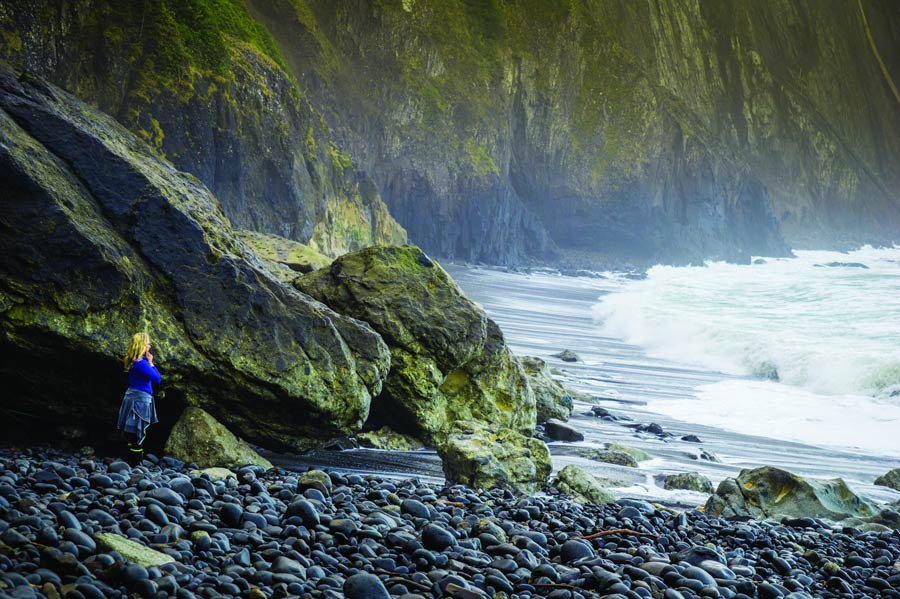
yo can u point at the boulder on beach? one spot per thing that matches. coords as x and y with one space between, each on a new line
482 457
567 355
385 438
560 431
132 552
890 479
615 453
581 486
215 473
100 238
689 481
449 361
769 492
551 398
198 437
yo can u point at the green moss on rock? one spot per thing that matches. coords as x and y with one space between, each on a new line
581 486
483 457
131 551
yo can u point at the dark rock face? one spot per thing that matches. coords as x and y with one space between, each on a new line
100 238
448 359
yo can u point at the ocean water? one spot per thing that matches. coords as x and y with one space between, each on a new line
812 352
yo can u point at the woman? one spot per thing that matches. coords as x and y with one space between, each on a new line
138 410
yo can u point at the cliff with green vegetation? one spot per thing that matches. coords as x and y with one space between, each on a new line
581 131
206 86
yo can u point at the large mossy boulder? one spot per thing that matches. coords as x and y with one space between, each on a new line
551 398
100 238
483 457
448 359
581 486
769 492
198 437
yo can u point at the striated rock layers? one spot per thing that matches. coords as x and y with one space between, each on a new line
509 130
100 238
448 359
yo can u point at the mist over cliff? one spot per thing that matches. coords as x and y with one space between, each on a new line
577 132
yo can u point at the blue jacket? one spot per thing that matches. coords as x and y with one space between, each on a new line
142 376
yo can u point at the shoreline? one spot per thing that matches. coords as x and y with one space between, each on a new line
542 315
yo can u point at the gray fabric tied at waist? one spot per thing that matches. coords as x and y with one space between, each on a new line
138 411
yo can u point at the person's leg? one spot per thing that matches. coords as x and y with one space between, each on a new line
135 449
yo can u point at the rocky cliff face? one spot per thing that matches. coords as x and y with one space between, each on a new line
204 85
508 130
99 239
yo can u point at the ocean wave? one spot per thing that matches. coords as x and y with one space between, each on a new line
832 330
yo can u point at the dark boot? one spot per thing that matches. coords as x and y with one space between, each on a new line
135 453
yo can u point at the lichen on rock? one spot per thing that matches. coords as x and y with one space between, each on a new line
769 492
581 486
483 457
551 398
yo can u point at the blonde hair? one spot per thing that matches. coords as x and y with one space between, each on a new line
136 348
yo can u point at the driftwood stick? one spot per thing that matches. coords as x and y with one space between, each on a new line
617 531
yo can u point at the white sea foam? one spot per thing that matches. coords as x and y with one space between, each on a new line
830 336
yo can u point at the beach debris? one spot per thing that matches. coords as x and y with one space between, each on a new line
200 438
483 457
581 486
560 431
462 542
690 481
567 355
617 531
551 398
890 479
